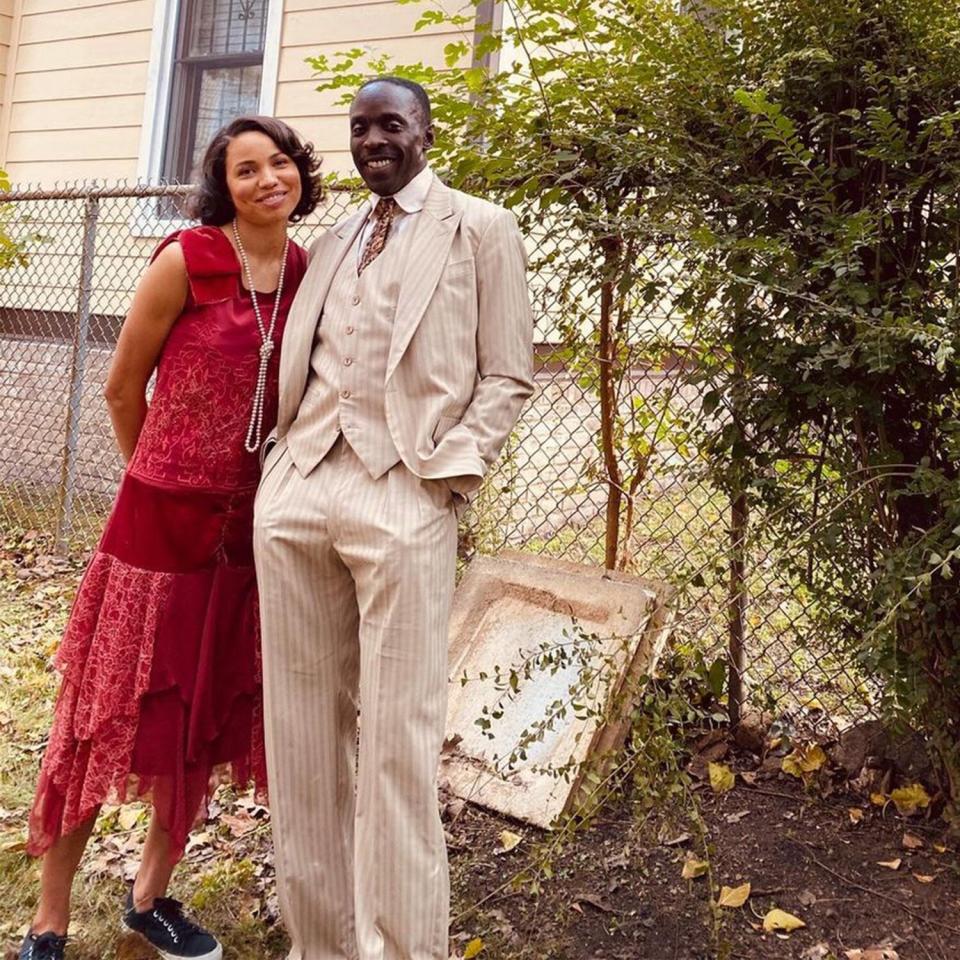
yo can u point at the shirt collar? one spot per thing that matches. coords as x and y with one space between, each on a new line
413 197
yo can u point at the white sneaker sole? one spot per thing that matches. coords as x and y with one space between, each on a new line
215 954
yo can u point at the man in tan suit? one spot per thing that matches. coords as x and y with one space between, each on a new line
406 359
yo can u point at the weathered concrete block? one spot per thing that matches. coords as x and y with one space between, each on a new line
603 631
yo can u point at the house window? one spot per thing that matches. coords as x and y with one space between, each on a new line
216 76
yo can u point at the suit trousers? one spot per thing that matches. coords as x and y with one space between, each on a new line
356 579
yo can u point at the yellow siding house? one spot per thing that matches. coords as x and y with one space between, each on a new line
133 89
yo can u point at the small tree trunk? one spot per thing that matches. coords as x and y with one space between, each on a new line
608 417
737 606
739 526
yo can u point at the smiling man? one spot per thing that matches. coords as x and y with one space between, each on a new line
406 359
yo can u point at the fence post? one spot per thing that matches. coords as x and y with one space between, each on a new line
68 473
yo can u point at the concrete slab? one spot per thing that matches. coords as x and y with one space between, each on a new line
506 609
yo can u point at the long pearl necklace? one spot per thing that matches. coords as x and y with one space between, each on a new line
255 429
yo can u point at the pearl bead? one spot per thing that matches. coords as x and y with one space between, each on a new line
255 429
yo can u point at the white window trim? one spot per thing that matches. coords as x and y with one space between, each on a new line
156 104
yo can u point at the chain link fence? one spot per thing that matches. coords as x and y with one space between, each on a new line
740 601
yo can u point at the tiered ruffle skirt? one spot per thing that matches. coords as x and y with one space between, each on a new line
161 690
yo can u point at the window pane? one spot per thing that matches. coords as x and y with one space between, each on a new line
225 93
226 26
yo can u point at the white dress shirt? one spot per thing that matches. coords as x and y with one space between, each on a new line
410 200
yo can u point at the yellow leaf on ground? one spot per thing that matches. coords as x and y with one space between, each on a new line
781 920
890 864
940 848
804 760
734 896
912 842
910 799
721 777
128 817
474 949
694 868
509 840
878 799
923 878
856 814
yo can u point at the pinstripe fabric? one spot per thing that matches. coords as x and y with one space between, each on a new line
356 577
345 388
461 359
356 568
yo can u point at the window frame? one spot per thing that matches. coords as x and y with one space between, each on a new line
158 103
186 79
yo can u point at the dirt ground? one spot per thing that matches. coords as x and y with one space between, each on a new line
867 882
618 894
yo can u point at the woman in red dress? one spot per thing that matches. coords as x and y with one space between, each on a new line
161 693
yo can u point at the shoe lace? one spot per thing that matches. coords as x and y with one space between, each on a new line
169 913
49 943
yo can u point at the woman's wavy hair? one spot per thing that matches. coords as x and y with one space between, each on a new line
210 202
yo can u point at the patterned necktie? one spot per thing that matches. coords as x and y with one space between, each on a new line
383 213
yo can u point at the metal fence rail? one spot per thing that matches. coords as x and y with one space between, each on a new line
87 246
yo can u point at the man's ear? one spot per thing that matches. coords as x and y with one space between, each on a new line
428 137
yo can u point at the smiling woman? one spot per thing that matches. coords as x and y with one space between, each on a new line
213 203
161 656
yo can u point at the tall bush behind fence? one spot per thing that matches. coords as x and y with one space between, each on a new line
801 161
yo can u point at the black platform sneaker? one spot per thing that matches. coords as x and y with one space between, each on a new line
174 936
42 946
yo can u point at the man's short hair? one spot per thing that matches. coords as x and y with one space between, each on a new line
423 99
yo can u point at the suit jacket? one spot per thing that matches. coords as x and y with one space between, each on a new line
461 356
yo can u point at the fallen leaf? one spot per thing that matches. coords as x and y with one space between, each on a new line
508 841
450 744
855 813
781 920
594 901
890 864
694 868
721 777
129 817
878 799
804 760
621 859
749 777
734 896
807 898
474 949
912 842
940 848
910 799
819 951
736 817
873 953
923 878
202 839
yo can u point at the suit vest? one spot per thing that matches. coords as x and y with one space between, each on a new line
348 365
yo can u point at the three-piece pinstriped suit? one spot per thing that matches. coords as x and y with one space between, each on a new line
391 383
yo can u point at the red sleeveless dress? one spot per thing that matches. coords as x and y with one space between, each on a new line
161 690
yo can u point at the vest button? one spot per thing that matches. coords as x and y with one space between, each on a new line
347 361
345 394
356 301
348 331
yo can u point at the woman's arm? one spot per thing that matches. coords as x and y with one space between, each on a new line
159 300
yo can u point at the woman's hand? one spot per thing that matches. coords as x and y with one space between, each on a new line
158 301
